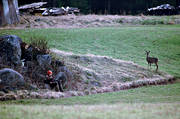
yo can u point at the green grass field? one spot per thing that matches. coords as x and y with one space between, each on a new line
118 111
127 43
159 102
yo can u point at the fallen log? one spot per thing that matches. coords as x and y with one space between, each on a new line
60 11
32 6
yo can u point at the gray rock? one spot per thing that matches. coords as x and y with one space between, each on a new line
11 79
57 63
44 60
67 72
10 49
62 78
95 83
35 95
9 96
2 93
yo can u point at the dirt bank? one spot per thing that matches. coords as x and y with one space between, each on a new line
105 74
84 21
96 74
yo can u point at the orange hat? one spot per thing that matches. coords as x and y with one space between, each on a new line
49 72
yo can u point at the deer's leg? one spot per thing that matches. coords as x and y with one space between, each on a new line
150 65
156 67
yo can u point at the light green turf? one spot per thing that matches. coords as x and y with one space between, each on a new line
127 43
118 111
155 102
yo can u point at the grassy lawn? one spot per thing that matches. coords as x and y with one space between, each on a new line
159 102
118 111
127 43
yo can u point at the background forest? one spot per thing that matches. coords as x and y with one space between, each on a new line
107 6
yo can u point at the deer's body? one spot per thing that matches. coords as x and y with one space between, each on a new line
151 60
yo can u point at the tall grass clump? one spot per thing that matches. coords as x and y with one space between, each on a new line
153 22
39 41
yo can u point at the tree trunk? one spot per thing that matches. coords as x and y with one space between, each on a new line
8 14
16 6
12 11
2 20
6 11
177 3
109 7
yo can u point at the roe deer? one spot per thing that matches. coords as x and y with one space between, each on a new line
151 60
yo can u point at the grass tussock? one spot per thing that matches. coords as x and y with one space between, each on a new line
39 42
153 22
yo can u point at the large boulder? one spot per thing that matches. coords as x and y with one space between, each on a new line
27 53
11 80
44 60
10 49
66 71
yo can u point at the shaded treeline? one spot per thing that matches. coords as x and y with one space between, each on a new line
108 6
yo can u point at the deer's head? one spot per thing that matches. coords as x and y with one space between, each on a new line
147 53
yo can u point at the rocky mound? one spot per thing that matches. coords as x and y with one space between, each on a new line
95 74
23 68
105 74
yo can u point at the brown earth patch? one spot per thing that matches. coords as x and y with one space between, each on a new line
100 74
84 21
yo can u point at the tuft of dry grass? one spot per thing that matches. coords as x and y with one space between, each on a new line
39 42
